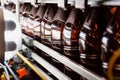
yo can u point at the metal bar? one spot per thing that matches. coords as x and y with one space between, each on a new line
13 74
80 4
101 2
31 66
66 61
2 3
25 1
112 3
17 10
74 66
47 77
58 74
52 69
48 1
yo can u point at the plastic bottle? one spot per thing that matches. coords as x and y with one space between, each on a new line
90 37
110 43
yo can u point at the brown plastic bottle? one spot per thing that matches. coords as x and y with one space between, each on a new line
70 40
110 43
56 35
37 22
30 20
71 34
45 31
25 15
57 29
90 37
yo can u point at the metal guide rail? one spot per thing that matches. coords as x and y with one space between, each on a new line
62 3
66 61
104 2
58 74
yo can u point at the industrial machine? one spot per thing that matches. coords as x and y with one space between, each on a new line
59 40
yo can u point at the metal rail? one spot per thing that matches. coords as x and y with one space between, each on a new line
40 70
58 74
66 61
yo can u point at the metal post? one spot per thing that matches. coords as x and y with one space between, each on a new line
17 10
2 3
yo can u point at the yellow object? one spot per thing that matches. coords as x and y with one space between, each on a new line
3 77
113 10
31 66
115 56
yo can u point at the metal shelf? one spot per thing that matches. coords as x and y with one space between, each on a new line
62 3
81 3
101 2
42 72
58 74
66 61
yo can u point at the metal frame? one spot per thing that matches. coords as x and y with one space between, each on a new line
42 72
58 74
66 61
76 3
10 70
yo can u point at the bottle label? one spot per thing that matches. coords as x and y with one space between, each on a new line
37 26
42 23
56 34
24 23
87 27
37 29
30 26
82 55
105 65
47 30
82 35
67 33
105 41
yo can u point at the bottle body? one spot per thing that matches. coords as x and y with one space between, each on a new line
110 44
90 38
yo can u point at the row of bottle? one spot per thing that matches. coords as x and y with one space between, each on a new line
88 38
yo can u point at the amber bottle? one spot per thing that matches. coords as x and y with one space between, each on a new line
30 20
56 35
57 29
45 31
70 40
110 44
71 33
37 22
90 37
25 15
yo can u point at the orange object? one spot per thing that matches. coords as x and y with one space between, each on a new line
113 10
22 72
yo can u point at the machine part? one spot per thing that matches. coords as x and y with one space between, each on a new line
31 66
2 43
17 59
6 72
22 72
26 52
13 74
12 35
28 41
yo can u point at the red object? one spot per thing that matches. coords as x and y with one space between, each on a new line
22 72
